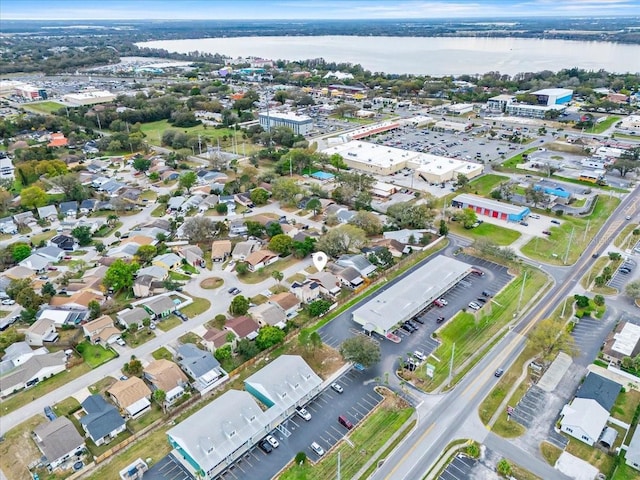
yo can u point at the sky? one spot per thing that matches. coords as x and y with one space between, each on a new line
307 9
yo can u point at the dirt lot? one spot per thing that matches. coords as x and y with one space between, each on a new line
18 450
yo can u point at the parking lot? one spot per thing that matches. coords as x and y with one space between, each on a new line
622 275
459 468
296 434
169 468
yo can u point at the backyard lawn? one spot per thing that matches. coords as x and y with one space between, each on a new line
95 355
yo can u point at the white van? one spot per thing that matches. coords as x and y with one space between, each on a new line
534 215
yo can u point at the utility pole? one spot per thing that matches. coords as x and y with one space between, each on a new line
338 477
200 144
524 279
566 255
453 354
584 239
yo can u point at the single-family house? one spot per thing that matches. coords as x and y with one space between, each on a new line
41 331
166 376
8 226
146 285
64 242
102 422
269 314
243 327
238 228
229 201
18 272
208 202
19 352
359 262
124 250
69 209
306 291
220 250
48 212
345 216
132 396
112 188
155 271
202 367
329 283
600 389
349 276
289 230
24 218
584 419
243 249
192 254
79 300
214 339
101 331
243 199
35 262
260 259
169 175
193 201
174 203
63 315
58 440
159 307
403 236
132 316
51 252
131 194
35 369
169 261
87 206
396 249
287 301
632 455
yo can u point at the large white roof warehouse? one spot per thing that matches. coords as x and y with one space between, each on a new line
411 294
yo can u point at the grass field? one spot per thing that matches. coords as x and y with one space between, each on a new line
626 239
479 186
624 472
550 452
198 306
168 323
499 235
264 273
552 249
603 125
470 335
513 162
367 440
626 405
95 355
44 107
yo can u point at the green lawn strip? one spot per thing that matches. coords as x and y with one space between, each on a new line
624 471
626 405
106 230
390 275
95 355
264 273
592 455
258 299
513 162
550 452
190 337
495 398
178 277
162 353
626 136
43 237
604 125
168 323
102 385
593 272
590 184
478 186
505 426
499 235
470 335
198 306
66 407
543 249
43 107
159 211
625 239
367 439
44 387
392 446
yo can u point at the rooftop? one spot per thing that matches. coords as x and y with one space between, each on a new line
378 155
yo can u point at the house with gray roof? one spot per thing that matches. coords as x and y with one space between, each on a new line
192 202
632 456
32 371
24 218
269 315
69 209
112 187
202 367
158 273
349 276
51 253
35 262
175 203
7 225
600 389
584 419
128 317
48 212
159 307
169 261
126 250
58 440
359 262
243 249
103 422
64 242
87 206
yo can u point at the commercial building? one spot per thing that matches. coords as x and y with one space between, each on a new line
300 124
369 130
436 169
553 96
499 102
213 438
410 295
631 124
459 108
491 208
89 97
531 111
447 126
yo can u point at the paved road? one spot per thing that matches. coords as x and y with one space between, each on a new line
440 425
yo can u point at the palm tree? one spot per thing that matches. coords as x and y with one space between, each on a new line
278 276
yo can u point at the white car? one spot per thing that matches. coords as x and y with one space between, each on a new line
152 326
272 440
337 387
8 301
120 342
443 301
317 448
302 413
419 355
474 306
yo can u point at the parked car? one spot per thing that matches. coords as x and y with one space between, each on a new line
419 355
443 302
303 413
419 320
120 342
546 232
440 320
342 420
8 301
48 412
474 306
265 446
272 441
524 224
486 293
152 325
337 387
317 448
557 222
481 300
407 328
438 303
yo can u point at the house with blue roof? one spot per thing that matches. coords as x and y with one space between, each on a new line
103 422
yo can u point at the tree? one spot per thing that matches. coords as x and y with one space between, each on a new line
200 229
141 164
633 290
550 337
120 275
504 468
316 341
82 234
444 229
337 162
146 253
33 197
360 349
367 221
281 244
247 348
304 248
318 307
188 180
599 300
242 268
47 291
269 336
535 196
407 215
314 205
273 228
286 190
94 309
341 240
462 180
259 196
160 396
20 252
223 353
624 166
133 367
468 217
239 305
277 276
582 301
71 187
222 208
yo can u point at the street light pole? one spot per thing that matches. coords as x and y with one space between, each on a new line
566 255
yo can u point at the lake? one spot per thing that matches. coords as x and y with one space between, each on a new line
425 55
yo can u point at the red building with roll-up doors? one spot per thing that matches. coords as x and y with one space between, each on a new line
491 208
